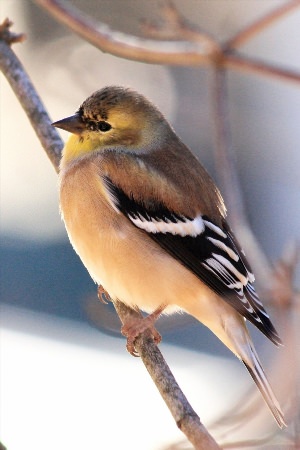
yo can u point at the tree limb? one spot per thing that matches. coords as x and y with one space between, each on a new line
185 417
193 47
127 46
250 65
25 92
261 24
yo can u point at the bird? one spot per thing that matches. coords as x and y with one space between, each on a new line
149 224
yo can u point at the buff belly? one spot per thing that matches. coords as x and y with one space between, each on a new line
127 262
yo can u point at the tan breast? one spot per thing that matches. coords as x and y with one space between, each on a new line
91 223
122 258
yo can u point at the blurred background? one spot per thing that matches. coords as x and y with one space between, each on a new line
66 379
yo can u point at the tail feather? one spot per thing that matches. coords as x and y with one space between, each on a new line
257 373
231 329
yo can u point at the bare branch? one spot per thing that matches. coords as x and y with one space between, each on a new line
127 46
197 48
225 162
24 90
8 36
186 419
226 168
259 25
246 64
174 26
281 288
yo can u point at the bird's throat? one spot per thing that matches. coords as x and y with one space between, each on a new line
77 147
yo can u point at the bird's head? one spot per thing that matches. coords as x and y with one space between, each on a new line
112 117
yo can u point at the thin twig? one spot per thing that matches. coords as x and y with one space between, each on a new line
261 24
248 65
25 92
226 168
200 49
8 36
127 46
186 419
224 159
281 287
174 26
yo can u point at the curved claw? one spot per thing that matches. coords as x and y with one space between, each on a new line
103 295
133 328
131 349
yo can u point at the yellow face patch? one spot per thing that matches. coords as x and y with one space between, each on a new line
127 131
78 146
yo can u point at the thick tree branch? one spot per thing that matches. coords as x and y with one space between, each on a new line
185 417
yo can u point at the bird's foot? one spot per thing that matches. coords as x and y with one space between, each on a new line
103 295
135 327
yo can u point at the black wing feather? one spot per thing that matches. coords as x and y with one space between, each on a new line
191 252
200 255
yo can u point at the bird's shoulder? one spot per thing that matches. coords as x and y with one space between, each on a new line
170 176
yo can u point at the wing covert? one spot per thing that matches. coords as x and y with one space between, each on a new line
209 251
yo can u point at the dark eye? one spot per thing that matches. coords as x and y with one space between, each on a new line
103 126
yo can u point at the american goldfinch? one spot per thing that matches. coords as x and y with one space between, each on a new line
149 224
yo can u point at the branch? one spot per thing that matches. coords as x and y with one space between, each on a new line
259 25
185 417
174 26
226 168
25 92
225 163
193 47
246 64
131 47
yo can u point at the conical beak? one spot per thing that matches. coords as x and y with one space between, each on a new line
73 124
